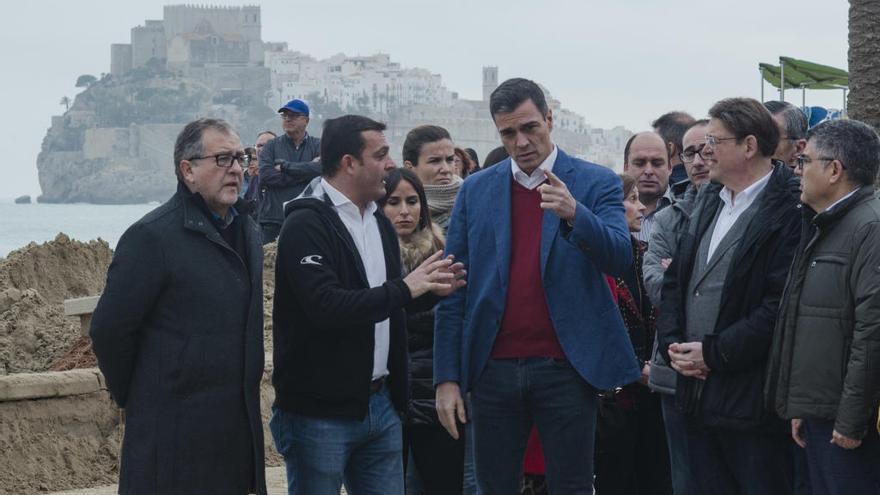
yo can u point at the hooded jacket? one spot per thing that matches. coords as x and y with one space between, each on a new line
325 313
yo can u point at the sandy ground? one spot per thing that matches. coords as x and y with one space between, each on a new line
34 282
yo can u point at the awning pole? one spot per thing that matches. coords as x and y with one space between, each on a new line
761 70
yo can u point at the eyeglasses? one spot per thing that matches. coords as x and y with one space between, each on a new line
225 160
290 115
688 155
802 160
713 141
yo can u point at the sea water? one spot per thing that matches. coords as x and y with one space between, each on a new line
22 224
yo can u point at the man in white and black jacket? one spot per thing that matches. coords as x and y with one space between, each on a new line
339 325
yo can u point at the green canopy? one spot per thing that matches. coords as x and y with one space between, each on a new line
822 74
801 74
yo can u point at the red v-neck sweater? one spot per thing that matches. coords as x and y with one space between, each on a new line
526 329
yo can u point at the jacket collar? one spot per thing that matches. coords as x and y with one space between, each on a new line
199 217
841 209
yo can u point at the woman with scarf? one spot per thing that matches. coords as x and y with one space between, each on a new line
429 152
437 458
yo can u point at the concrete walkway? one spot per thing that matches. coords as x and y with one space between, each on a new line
275 481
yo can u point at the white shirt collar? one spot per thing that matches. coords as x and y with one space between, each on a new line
340 200
537 176
747 195
841 200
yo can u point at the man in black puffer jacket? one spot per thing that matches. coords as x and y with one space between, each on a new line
720 299
825 360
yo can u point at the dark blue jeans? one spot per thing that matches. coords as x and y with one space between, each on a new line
837 471
508 398
321 453
676 440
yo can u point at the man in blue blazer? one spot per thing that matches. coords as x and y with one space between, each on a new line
535 333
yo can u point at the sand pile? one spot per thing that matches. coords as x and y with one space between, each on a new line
34 282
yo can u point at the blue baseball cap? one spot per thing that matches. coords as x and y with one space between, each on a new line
297 106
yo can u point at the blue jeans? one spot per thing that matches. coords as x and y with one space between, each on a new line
676 439
322 453
508 398
837 471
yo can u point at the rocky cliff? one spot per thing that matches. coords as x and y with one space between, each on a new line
115 143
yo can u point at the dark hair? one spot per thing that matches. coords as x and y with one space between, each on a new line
474 158
392 180
189 142
495 157
628 184
632 138
748 117
671 126
266 132
343 136
465 162
854 143
796 123
420 136
512 93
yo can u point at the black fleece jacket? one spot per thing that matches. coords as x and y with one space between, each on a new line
325 313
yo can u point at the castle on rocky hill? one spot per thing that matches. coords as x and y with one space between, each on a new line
116 139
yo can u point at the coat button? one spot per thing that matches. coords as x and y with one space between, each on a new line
697 293
812 264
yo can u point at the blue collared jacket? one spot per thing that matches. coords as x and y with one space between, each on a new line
574 261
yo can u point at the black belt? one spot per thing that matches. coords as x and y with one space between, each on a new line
376 385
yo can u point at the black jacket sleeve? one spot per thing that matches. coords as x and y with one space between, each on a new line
135 280
318 287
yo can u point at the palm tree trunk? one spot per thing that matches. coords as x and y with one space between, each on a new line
864 61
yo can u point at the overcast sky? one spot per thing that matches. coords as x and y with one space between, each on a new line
616 62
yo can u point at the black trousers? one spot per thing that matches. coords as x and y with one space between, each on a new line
631 453
733 462
438 458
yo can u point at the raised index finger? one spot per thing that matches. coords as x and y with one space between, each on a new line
552 178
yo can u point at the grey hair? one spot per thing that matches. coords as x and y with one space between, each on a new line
189 142
796 123
855 144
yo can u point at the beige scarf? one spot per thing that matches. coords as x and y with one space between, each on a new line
441 198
